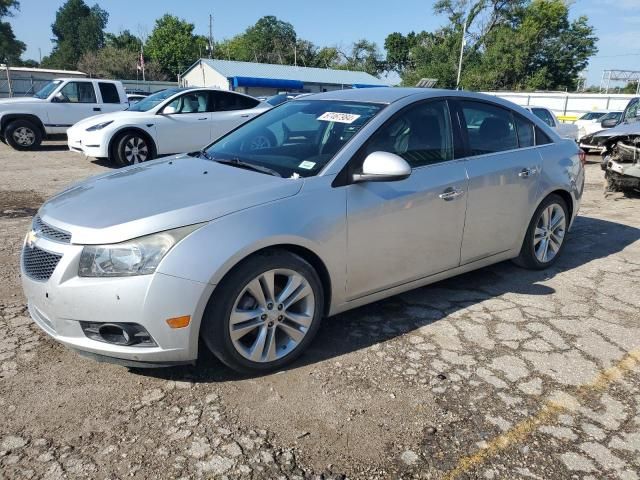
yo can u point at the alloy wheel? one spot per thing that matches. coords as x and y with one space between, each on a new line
272 315
136 150
549 233
24 136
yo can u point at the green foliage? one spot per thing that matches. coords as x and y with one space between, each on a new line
118 63
77 29
124 40
363 56
523 44
10 47
173 46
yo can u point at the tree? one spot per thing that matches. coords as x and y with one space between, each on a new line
77 29
124 40
118 63
173 46
10 47
363 56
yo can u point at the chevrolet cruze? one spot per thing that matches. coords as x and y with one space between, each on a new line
362 194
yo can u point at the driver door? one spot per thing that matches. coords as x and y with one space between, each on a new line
80 101
406 230
184 125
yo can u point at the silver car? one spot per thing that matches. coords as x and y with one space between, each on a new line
365 194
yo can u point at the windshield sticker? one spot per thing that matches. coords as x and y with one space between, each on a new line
307 165
338 117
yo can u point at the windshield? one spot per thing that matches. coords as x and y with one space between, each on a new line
153 100
591 116
45 91
631 112
297 138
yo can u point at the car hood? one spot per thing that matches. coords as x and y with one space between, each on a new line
602 136
157 196
122 115
10 102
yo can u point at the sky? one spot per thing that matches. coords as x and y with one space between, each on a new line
331 22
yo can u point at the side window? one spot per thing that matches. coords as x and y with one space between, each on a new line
193 102
227 101
421 134
544 115
79 92
109 92
525 132
632 110
490 128
541 137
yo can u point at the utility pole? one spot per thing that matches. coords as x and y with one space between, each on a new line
40 56
462 44
210 36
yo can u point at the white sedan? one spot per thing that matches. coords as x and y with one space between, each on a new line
175 120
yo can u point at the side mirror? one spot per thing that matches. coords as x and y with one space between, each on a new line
169 110
59 98
383 167
609 123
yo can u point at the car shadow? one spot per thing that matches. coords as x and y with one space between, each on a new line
590 239
104 162
51 147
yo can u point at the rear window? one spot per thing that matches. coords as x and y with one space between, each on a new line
227 101
109 92
490 128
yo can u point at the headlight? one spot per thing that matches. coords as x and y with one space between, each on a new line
139 256
99 126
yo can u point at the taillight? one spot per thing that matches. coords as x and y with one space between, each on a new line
582 155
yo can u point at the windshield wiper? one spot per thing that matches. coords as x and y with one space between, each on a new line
236 162
203 154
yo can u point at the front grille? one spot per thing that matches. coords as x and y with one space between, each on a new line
39 264
49 232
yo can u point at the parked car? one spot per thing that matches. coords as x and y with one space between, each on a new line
174 120
589 127
565 130
26 121
280 98
135 97
248 249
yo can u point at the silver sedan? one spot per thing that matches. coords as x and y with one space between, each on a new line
359 195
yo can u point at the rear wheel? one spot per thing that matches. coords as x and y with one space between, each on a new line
23 135
265 313
546 234
132 148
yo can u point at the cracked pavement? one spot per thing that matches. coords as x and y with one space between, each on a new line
499 373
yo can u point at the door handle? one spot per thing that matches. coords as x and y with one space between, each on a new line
527 172
97 109
451 193
245 115
204 118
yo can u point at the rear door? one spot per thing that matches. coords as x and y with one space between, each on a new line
110 97
409 229
188 127
79 101
503 167
230 110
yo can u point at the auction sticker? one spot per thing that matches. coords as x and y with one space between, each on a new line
307 165
339 117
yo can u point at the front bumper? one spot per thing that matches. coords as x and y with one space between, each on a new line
91 144
58 304
588 146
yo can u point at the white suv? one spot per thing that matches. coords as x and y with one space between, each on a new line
175 120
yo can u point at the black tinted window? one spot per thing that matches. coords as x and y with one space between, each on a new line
109 93
226 101
421 135
525 132
79 92
490 128
544 115
541 137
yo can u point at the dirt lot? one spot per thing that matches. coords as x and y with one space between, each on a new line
501 373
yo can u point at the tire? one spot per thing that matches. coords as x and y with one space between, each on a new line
23 135
263 139
257 326
552 210
132 148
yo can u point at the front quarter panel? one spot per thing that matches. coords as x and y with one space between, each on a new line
314 219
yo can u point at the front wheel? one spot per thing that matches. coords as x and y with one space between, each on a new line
546 234
23 135
132 148
265 313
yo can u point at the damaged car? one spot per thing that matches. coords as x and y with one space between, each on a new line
621 150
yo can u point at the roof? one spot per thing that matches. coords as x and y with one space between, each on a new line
42 70
232 69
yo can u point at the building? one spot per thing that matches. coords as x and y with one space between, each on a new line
22 81
264 79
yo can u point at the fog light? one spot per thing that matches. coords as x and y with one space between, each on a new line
127 334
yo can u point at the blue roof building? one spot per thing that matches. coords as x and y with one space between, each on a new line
268 79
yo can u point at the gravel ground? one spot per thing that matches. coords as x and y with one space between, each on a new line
500 373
